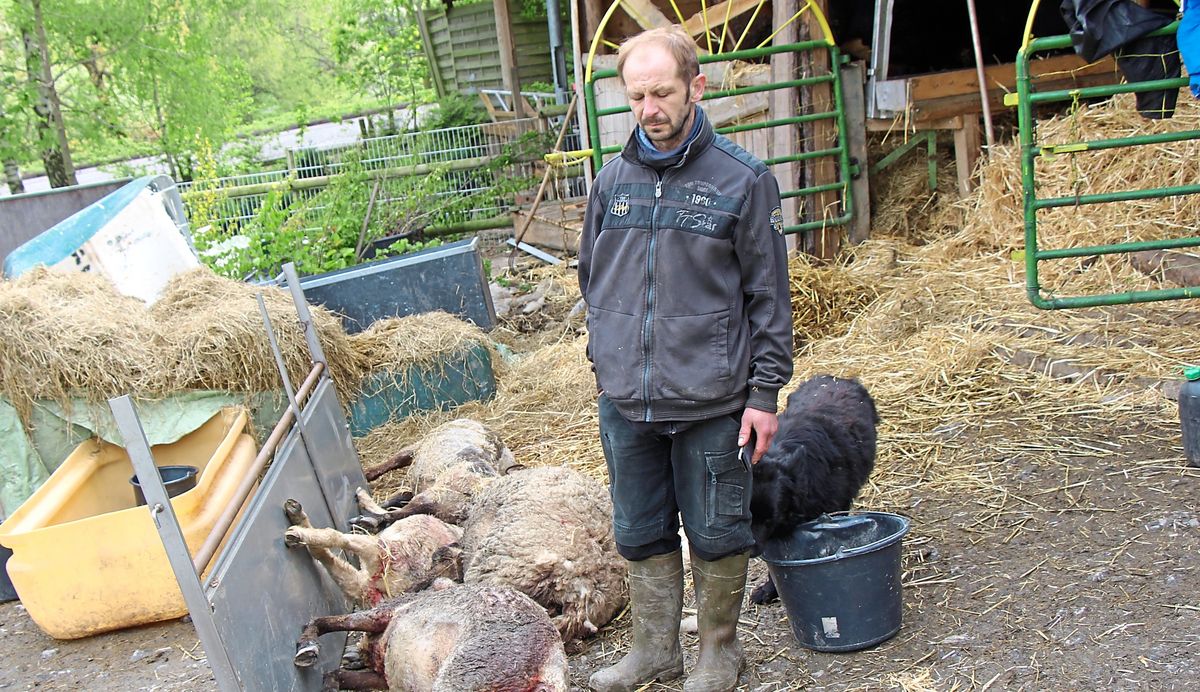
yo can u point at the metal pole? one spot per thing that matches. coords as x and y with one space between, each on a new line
983 89
167 524
558 60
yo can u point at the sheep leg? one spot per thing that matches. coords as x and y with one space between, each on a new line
375 518
764 592
373 621
295 513
342 679
322 542
402 460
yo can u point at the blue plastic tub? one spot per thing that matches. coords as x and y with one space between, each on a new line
839 579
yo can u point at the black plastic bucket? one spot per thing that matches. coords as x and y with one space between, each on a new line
177 479
839 579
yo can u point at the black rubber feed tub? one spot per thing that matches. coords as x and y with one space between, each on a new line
839 579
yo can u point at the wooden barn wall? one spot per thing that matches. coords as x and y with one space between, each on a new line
461 45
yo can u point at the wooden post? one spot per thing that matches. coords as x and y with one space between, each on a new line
856 126
784 140
826 242
508 55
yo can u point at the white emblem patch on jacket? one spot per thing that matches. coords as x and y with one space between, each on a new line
777 220
620 205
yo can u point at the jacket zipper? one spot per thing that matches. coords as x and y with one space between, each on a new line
647 330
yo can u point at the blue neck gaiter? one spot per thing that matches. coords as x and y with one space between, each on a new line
654 158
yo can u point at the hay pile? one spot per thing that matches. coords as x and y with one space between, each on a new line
67 334
61 333
937 325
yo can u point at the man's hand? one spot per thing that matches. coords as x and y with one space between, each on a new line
763 425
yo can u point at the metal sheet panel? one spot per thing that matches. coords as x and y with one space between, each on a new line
264 592
448 278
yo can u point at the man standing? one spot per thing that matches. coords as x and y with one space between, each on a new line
684 268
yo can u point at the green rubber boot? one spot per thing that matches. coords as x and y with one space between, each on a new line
656 603
719 588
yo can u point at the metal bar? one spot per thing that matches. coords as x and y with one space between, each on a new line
741 91
778 122
816 225
302 311
839 100
806 156
1125 196
1118 142
1116 298
1028 191
980 74
931 152
1118 248
1046 43
1108 90
894 154
167 524
593 124
813 190
204 555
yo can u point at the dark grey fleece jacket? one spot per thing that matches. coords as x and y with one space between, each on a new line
685 275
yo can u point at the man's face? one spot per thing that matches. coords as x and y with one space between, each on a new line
660 99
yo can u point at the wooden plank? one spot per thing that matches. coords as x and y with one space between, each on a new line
508 57
784 105
645 13
823 243
695 24
431 54
966 152
1002 78
856 122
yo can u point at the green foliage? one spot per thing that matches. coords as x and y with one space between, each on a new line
378 45
456 110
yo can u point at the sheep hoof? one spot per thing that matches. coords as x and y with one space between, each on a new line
764 593
352 659
366 522
292 538
295 513
307 654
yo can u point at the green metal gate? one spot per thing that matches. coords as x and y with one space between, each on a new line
1027 101
839 153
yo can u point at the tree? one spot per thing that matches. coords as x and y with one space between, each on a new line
52 139
378 43
104 70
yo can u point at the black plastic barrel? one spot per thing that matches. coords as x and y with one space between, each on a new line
177 479
839 579
1189 415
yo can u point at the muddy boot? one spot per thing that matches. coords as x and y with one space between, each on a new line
719 588
656 603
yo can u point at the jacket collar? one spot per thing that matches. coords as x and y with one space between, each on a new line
704 139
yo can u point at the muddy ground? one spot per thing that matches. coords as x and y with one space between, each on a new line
1083 575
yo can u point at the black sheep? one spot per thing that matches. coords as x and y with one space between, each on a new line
820 458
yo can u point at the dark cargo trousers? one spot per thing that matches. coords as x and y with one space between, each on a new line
658 472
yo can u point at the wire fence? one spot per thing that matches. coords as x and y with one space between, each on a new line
475 166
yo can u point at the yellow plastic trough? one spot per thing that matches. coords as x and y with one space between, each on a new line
86 560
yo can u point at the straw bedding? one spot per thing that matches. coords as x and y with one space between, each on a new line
937 326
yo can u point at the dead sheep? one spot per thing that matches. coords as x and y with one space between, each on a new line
445 469
406 556
457 639
547 532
